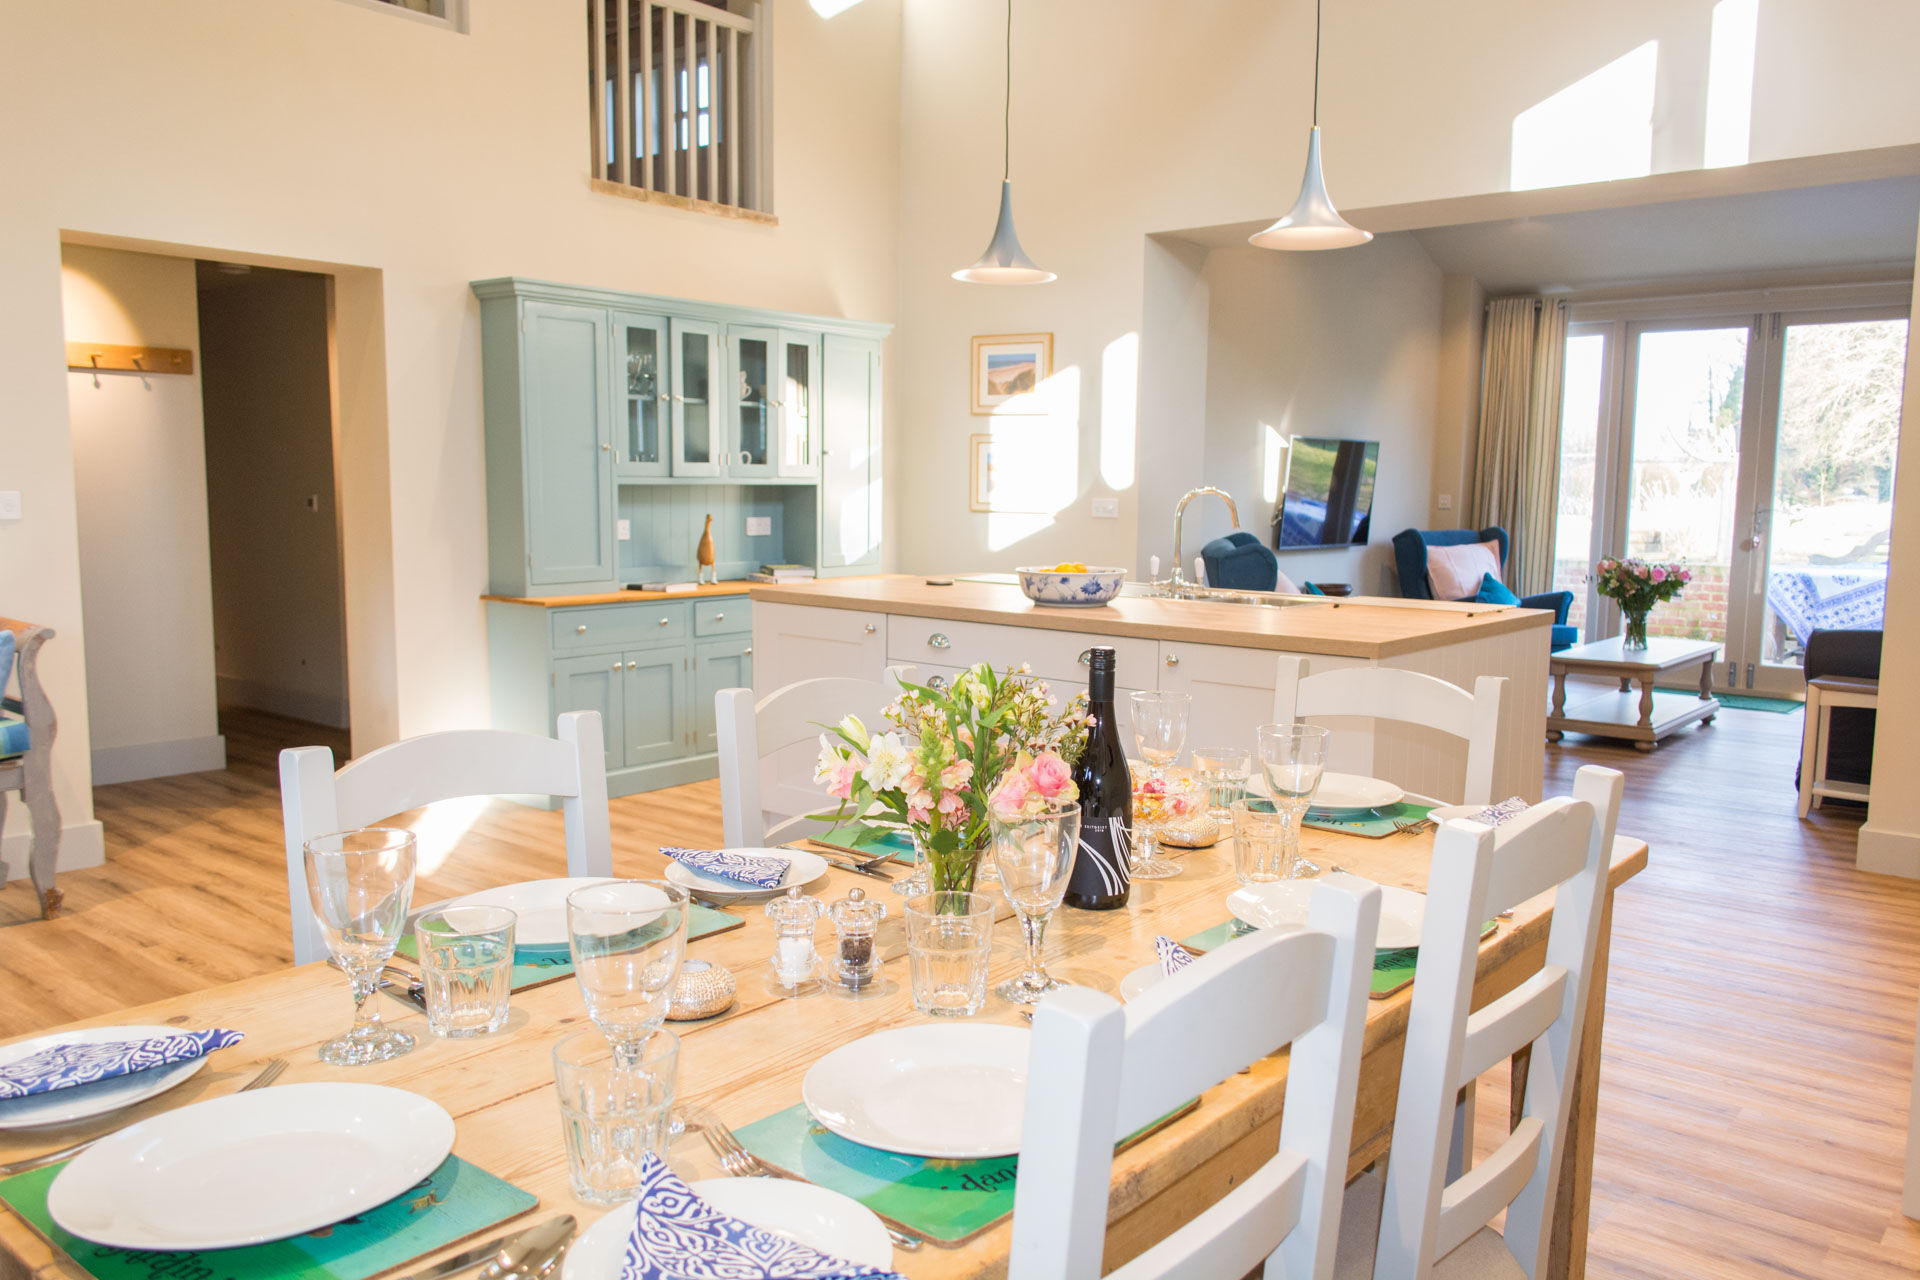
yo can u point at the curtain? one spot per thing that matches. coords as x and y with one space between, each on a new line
1516 479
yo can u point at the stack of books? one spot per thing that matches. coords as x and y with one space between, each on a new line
783 573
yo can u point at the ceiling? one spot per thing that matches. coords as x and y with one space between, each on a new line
1852 224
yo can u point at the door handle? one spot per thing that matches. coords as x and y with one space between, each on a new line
1173 659
632 665
748 652
871 628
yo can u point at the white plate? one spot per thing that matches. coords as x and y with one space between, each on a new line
539 905
85 1101
1138 980
1283 905
1344 791
251 1167
947 1092
803 869
800 1211
1448 812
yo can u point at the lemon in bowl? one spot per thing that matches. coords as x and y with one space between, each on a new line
1070 584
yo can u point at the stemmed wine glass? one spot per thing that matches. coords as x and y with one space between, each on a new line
627 938
361 885
1034 854
1159 734
1293 757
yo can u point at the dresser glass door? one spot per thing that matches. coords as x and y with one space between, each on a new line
641 367
751 396
696 450
795 408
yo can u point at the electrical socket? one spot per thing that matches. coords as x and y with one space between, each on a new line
1106 508
1446 502
759 526
10 505
623 530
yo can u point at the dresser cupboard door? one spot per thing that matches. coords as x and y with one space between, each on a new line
794 642
568 445
655 691
717 665
850 453
595 684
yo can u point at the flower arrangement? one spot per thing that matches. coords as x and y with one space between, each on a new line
949 759
1638 586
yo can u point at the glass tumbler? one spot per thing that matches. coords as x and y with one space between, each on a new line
1222 775
466 964
1261 853
613 1112
949 945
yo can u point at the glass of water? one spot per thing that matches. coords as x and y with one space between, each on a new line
1222 775
613 1112
949 945
1260 850
466 963
1293 756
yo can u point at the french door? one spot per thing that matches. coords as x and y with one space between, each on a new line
1758 449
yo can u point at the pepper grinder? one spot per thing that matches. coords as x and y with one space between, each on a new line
795 964
856 918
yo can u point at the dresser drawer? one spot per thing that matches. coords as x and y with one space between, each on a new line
1053 655
722 616
617 625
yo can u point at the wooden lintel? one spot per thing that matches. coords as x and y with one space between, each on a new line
107 357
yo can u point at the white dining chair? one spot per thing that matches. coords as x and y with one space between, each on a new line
1099 1071
1410 697
752 732
316 799
1415 1223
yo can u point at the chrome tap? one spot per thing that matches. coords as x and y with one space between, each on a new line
1177 582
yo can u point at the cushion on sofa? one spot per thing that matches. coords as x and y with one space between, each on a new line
1494 591
1455 572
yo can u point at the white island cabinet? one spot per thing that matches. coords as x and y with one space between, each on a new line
1227 656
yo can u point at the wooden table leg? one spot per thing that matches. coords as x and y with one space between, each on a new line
1706 679
1567 1247
1646 714
1559 699
1809 735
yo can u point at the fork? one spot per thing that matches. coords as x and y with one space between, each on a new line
742 1163
1412 828
268 1074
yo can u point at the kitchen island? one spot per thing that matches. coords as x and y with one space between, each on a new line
1225 654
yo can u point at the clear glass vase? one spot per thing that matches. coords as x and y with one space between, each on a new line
1635 636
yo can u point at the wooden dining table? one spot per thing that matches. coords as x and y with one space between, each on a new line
748 1062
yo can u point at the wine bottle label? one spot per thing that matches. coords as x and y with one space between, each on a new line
1100 869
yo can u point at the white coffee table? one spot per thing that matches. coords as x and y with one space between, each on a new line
1642 719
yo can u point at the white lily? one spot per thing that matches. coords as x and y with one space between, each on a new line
888 762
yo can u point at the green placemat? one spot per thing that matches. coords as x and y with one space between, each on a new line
531 971
855 837
1380 824
1392 967
454 1201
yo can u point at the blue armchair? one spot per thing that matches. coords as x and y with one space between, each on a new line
1239 561
1410 554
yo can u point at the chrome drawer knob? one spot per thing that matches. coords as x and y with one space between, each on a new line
719 617
666 622
1086 657
580 630
938 640
871 628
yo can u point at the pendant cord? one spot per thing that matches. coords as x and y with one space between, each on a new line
1316 55
1006 113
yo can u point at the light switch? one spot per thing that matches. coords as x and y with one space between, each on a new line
1446 502
623 529
1106 508
759 526
10 505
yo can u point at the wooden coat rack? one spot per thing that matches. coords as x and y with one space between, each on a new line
105 357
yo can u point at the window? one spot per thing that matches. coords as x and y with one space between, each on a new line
675 93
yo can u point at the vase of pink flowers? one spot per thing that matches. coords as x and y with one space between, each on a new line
1638 586
946 757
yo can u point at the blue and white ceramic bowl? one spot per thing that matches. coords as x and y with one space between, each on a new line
1095 586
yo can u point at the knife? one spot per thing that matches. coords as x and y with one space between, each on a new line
412 991
512 1249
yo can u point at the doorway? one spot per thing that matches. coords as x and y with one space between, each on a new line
1757 447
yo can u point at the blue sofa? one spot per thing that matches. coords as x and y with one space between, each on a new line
1410 554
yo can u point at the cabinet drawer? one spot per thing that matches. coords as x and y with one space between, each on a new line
721 617
1053 655
600 626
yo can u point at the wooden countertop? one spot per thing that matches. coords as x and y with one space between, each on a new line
1352 627
737 588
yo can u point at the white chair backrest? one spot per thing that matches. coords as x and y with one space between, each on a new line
1099 1071
1387 693
1562 845
750 731
316 800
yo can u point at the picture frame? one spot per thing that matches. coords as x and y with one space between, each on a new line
988 491
1007 369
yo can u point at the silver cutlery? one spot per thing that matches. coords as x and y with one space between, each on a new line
738 1162
1413 828
524 1253
268 1074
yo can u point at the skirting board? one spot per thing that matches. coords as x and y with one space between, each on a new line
1888 853
158 759
297 704
82 844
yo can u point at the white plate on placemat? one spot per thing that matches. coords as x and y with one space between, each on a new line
803 869
1136 981
251 1167
947 1092
799 1211
1283 905
1346 792
539 907
84 1101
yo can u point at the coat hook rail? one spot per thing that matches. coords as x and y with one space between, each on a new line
105 357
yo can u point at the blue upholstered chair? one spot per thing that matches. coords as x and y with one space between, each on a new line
1410 554
1239 561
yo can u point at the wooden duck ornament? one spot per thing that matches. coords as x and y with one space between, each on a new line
704 556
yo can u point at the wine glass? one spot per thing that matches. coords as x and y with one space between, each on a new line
1293 756
627 938
1159 734
1034 854
360 884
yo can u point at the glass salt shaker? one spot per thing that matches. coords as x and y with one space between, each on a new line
795 964
856 917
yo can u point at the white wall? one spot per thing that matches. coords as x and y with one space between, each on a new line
141 494
1320 344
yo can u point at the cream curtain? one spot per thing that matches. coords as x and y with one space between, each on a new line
1516 480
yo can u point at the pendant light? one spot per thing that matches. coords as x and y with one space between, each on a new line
1313 222
1005 262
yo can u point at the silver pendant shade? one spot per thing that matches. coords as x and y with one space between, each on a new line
1005 262
1313 222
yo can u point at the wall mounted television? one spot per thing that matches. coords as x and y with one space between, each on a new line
1327 500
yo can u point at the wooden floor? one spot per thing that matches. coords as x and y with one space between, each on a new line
1760 1019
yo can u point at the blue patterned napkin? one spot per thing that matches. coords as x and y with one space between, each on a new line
746 868
1173 956
67 1065
1495 814
678 1236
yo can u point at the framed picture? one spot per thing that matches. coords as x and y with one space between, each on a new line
996 477
1008 366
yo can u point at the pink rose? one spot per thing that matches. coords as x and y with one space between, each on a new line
840 785
1012 792
952 804
1050 775
1659 575
1686 575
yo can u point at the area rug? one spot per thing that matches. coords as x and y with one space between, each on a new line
1750 702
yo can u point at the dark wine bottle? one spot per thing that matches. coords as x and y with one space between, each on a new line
1100 879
